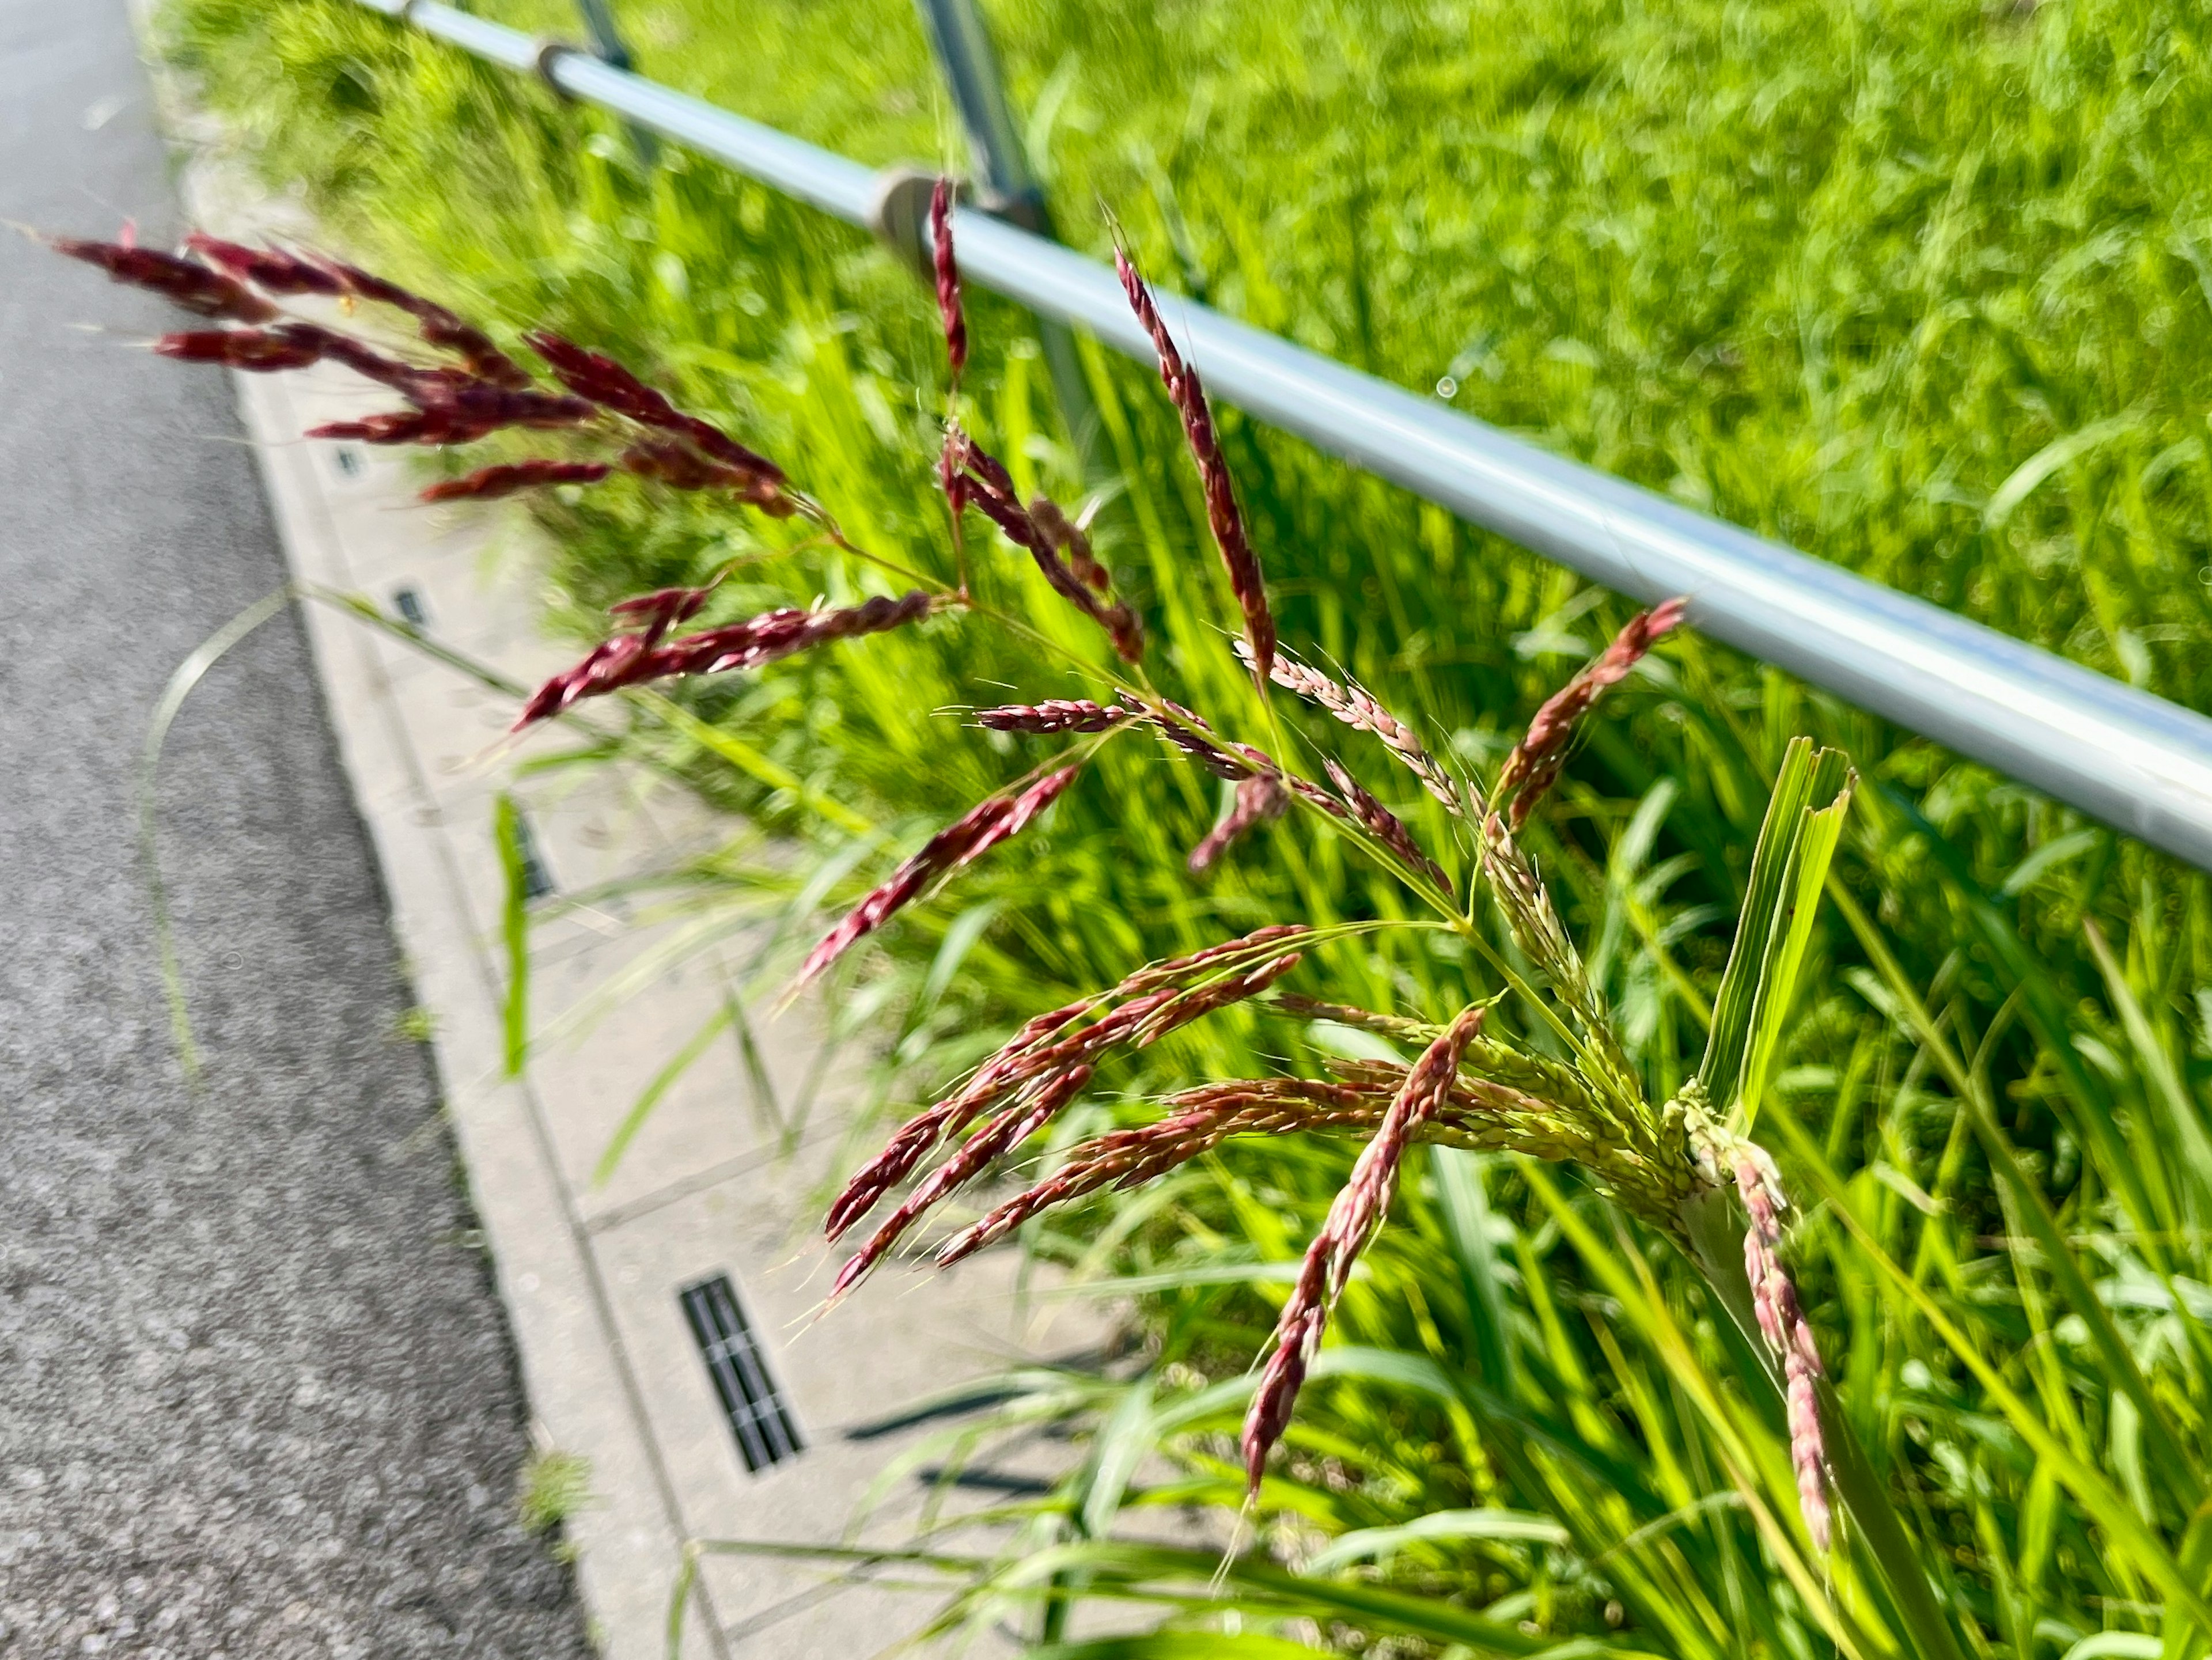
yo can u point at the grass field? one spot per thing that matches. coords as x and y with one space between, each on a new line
1921 289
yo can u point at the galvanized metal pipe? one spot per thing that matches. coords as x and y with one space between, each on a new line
2136 762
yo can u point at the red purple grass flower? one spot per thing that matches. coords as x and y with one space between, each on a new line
1222 513
1529 771
982 827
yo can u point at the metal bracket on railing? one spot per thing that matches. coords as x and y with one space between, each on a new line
549 54
898 214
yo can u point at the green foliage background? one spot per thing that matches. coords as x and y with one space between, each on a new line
1923 289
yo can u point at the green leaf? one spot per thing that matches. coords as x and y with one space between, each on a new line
1367 1544
1788 868
514 929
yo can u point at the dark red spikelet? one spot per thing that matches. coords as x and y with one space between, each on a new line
260 351
402 427
681 467
410 382
271 269
1360 1207
948 278
1072 541
494 407
1054 714
1222 513
487 483
180 282
967 839
1002 1135
1385 826
655 613
986 483
437 326
633 659
595 376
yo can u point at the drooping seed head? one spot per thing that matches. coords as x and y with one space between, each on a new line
1054 714
487 482
634 659
184 282
1223 515
1385 826
436 324
967 839
271 269
949 307
1529 771
257 352
1259 799
599 379
1359 1208
403 427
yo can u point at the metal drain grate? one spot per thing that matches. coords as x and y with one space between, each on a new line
758 1417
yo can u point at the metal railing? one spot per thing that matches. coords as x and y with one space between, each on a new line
2138 762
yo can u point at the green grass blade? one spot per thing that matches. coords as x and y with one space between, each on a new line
1796 840
515 931
1812 851
189 673
641 1108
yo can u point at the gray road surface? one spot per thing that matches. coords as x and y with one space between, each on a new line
256 1393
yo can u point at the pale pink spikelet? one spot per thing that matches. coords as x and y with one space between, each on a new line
947 271
1385 826
1223 515
1528 772
1790 1334
631 659
487 482
1259 799
1054 714
1359 1205
982 827
1352 703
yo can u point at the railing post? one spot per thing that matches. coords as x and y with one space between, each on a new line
1008 187
611 49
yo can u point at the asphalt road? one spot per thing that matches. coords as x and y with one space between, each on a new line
256 1392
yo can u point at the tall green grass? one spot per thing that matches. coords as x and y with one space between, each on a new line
1921 289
